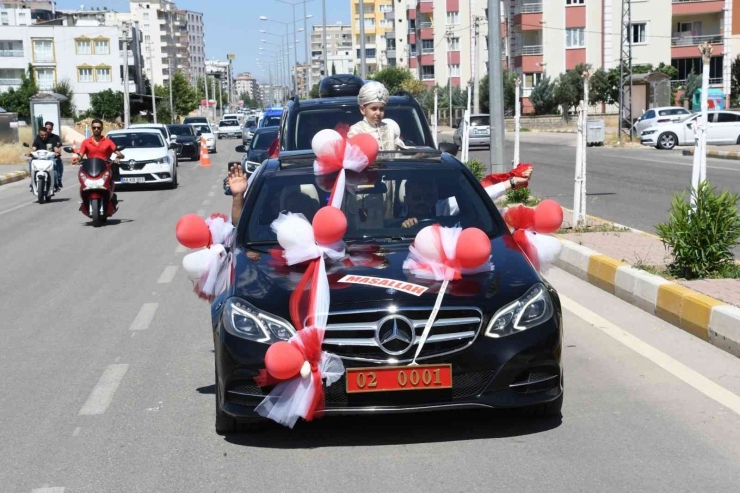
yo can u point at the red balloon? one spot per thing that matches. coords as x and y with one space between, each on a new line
548 216
329 225
192 231
520 217
367 144
283 360
473 248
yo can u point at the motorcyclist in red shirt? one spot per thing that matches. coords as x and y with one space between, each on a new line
98 146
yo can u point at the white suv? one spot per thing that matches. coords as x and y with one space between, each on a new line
657 116
148 158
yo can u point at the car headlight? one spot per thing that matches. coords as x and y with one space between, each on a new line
648 132
532 309
244 320
164 160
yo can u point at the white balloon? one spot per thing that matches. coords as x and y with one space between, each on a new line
428 244
293 231
395 129
548 248
320 142
197 263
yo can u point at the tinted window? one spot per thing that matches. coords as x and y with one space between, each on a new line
195 119
228 123
727 118
181 130
137 140
673 112
430 196
271 121
160 129
650 114
204 129
262 141
480 121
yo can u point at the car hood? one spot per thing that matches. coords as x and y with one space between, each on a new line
378 278
144 154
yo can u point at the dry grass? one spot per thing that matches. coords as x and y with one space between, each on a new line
25 134
612 140
12 153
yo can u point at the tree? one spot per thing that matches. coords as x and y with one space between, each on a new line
693 83
106 104
164 113
248 101
416 87
67 108
542 97
569 88
735 79
602 88
392 77
183 95
333 69
314 91
509 77
17 100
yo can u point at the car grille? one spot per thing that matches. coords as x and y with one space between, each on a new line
126 166
245 393
353 334
536 380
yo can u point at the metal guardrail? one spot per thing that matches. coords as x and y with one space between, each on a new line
425 25
713 81
531 50
697 40
692 1
10 82
427 77
531 7
412 54
11 53
427 51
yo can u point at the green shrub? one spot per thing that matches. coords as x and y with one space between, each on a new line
518 196
702 240
477 168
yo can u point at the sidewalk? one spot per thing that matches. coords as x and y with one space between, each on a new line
731 152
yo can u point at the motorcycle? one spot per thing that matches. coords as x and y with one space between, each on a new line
43 177
97 177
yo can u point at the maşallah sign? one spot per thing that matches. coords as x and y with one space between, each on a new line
379 282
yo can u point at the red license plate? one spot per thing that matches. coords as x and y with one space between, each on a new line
395 378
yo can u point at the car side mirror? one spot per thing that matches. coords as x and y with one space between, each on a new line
449 148
454 125
240 148
174 146
198 134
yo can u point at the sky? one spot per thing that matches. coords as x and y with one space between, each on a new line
233 26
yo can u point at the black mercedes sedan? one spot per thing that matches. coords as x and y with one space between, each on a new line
495 343
189 140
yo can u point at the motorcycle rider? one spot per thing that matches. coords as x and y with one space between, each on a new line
45 141
99 146
59 167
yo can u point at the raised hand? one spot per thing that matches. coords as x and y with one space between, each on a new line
237 180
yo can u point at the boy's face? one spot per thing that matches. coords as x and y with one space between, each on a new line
374 112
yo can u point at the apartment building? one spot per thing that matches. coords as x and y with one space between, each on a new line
301 78
221 70
552 36
196 44
376 26
246 83
26 12
340 50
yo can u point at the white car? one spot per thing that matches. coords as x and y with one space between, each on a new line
162 128
723 128
229 128
657 116
208 134
148 158
231 116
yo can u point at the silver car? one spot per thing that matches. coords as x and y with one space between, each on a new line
479 133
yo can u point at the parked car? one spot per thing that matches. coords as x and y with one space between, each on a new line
500 342
248 131
723 127
195 119
206 133
656 116
229 128
189 141
257 150
479 133
161 128
150 160
271 117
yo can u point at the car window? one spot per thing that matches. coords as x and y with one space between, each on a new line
228 123
136 140
271 121
182 130
649 115
673 112
263 140
161 130
480 121
431 196
727 118
204 129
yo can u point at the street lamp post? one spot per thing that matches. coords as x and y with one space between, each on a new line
287 36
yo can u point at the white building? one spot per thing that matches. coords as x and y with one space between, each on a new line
196 44
340 52
246 83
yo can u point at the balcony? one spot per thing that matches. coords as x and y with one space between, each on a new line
390 15
713 81
693 7
686 46
426 34
425 6
427 76
10 82
412 54
530 7
390 53
531 50
426 51
528 16
425 25
528 58
11 53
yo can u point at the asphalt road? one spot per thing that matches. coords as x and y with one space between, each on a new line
632 187
107 382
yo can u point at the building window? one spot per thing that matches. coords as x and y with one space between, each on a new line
102 47
21 17
4 18
453 17
573 2
146 16
453 70
427 46
390 44
84 74
454 44
427 72
638 32
45 78
575 38
147 38
385 8
84 47
43 50
102 74
11 48
531 80
146 26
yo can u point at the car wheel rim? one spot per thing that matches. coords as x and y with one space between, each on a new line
667 140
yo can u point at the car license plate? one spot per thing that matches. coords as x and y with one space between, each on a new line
395 378
138 179
480 131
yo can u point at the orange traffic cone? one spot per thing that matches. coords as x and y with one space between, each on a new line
205 159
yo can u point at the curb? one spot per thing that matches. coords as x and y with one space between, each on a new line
702 316
13 177
732 155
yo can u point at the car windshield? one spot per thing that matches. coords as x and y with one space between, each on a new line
378 208
263 140
136 140
228 123
271 121
310 121
181 130
480 121
196 119
159 129
204 129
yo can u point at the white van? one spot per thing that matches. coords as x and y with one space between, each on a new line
231 116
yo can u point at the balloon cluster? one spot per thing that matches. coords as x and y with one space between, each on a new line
532 229
205 266
446 254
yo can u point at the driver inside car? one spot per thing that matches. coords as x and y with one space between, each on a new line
421 202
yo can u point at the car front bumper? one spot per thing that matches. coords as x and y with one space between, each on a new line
223 135
188 150
151 174
649 140
519 370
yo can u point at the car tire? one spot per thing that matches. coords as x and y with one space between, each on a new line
738 140
173 185
667 141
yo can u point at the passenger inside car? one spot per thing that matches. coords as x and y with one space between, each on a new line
421 202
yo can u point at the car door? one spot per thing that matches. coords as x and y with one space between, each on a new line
645 121
687 128
725 129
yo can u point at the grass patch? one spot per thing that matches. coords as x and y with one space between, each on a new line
12 153
524 129
595 228
652 269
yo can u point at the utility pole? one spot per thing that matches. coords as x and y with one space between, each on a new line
169 65
699 170
232 97
495 88
221 96
323 42
151 82
448 37
579 191
517 121
309 64
476 65
213 90
205 84
363 69
625 72
126 102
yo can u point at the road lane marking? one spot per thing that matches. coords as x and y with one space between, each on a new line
102 395
680 163
144 317
672 366
77 431
53 489
26 204
181 249
201 212
168 274
211 194
207 202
